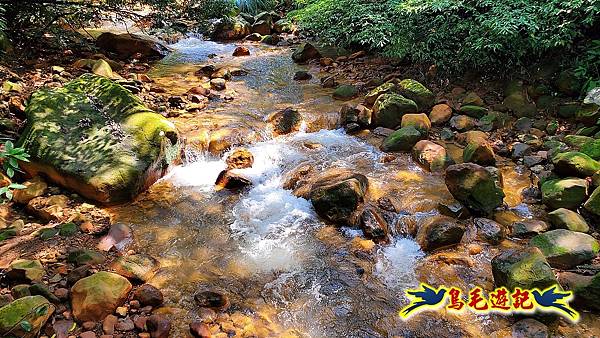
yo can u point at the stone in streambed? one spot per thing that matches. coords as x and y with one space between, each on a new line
148 295
585 288
336 196
85 256
305 52
524 268
473 111
212 300
345 92
567 219
431 155
126 45
389 109
475 187
419 121
34 310
96 296
34 187
575 164
240 158
302 75
528 227
565 249
403 139
566 193
231 181
439 232
489 230
241 51
25 270
159 326
218 84
463 122
285 121
480 152
374 94
440 114
374 225
417 92
139 267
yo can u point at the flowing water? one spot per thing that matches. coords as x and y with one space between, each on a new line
266 248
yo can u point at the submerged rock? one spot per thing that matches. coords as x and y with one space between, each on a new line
212 300
159 326
148 295
240 158
96 296
126 45
285 121
475 187
524 268
94 137
139 267
565 249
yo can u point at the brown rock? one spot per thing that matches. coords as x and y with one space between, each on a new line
199 330
87 334
285 121
198 90
212 300
240 158
440 114
96 296
108 325
231 181
241 51
158 326
33 188
374 225
431 155
148 295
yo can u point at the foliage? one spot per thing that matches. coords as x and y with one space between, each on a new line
9 155
587 66
456 35
256 6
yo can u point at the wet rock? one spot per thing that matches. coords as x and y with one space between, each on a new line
328 82
118 237
419 121
34 309
566 219
403 139
25 270
108 324
529 328
575 164
240 158
336 198
474 186
285 121
218 84
126 45
305 52
125 324
222 73
302 76
373 225
148 295
158 326
431 155
524 268
139 267
440 114
35 187
389 109
232 29
85 256
345 92
519 105
272 39
566 193
473 111
565 249
241 51
463 122
212 300
231 181
453 209
253 37
53 208
439 232
529 227
200 330
489 230
479 152
416 92
62 327
96 296
591 148
261 27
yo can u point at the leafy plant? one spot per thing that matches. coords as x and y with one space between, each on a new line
256 6
10 156
587 66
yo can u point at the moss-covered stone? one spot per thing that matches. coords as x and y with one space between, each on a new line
524 268
30 312
475 187
85 256
586 113
472 99
591 148
419 121
593 203
336 201
345 92
565 249
566 193
102 68
388 87
389 109
575 164
588 292
417 92
479 151
402 139
431 155
305 52
576 141
140 267
25 270
518 104
96 296
567 219
441 231
96 138
473 111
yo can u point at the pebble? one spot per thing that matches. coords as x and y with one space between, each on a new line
125 325
108 325
88 325
87 334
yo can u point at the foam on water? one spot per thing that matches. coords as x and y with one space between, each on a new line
396 262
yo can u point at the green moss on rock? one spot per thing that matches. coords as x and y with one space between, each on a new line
402 139
34 310
575 164
566 193
565 249
524 268
417 92
389 109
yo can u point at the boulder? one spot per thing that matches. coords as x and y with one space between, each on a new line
388 87
283 26
127 45
345 92
529 328
148 295
102 68
140 267
403 139
489 230
564 193
253 37
475 187
519 105
241 51
34 187
480 152
240 158
305 52
212 300
528 227
373 225
96 138
230 180
25 317
218 84
302 75
440 114
96 296
463 122
419 121
565 249
285 121
473 111
593 203
389 109
585 288
472 99
85 257
591 148
415 91
159 326
232 29
25 270
431 155
438 232
524 268
272 39
575 164
261 27
567 219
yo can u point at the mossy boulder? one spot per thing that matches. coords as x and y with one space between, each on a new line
420 121
305 52
102 68
591 148
388 87
576 141
574 163
586 290
232 29
285 121
593 203
26 270
139 267
389 109
567 219
402 139
524 268
96 296
336 198
126 45
96 138
438 232
85 256
25 317
566 193
587 113
431 155
475 187
565 249
519 105
479 151
417 92
345 92
473 111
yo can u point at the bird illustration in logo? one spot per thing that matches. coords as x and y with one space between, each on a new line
426 296
552 299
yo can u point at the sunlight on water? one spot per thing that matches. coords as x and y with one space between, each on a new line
396 262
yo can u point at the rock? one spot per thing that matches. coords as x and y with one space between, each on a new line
440 231
108 324
78 273
520 149
35 187
240 158
472 99
328 82
40 289
33 310
529 227
200 330
593 203
419 121
518 104
373 95
85 256
403 139
126 45
345 92
389 109
234 29
148 295
463 123
212 300
529 328
474 186
584 113
591 148
489 230
125 324
158 326
253 37
102 68
431 155
440 114
585 288
575 164
453 209
272 39
285 121
415 91
305 52
96 296
473 111
49 209
565 249
20 291
142 143
261 27
524 268
564 193
87 334
222 73
118 237
336 198
139 267
241 51
232 181
566 219
373 225
218 84
479 152
302 76
25 270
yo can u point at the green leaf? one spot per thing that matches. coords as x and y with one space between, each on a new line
26 326
10 172
41 311
8 146
13 162
16 186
